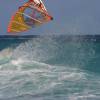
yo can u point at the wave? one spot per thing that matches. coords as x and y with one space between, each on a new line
48 68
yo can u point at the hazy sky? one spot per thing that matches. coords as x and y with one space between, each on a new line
70 16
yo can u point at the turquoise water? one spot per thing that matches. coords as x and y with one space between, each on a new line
49 68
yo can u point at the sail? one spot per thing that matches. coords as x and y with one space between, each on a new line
28 16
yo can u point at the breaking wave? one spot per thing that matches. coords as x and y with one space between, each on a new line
47 69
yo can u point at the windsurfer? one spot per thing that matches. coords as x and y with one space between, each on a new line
37 2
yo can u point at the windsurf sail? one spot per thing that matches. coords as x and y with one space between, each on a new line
29 15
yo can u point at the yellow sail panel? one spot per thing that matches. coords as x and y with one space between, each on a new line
17 23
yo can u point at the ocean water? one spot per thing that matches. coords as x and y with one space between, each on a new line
50 68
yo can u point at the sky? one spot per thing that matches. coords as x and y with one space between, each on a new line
70 17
